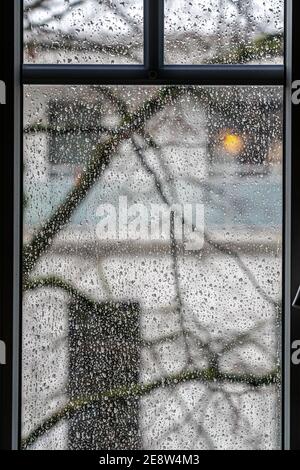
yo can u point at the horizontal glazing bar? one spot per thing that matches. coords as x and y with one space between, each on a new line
171 75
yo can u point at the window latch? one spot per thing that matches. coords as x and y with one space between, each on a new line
2 92
2 353
296 302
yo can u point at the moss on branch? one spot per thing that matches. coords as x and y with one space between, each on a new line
204 376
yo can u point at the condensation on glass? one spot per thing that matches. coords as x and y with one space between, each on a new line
83 32
224 31
152 259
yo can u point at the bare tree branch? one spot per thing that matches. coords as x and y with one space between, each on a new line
141 390
95 168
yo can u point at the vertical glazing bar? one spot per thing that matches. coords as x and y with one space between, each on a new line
10 138
294 84
286 324
153 36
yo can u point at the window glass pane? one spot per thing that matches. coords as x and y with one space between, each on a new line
224 31
83 32
152 258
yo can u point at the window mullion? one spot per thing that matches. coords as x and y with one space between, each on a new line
153 36
292 278
10 233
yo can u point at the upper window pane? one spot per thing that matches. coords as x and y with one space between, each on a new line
224 31
81 32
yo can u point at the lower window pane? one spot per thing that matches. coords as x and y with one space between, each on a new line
152 267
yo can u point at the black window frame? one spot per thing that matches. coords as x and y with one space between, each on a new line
15 74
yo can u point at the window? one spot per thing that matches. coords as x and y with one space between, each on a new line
157 280
105 32
74 134
181 326
216 32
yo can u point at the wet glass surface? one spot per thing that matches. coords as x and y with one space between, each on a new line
224 32
83 31
152 264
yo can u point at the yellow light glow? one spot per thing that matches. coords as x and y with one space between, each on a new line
233 143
